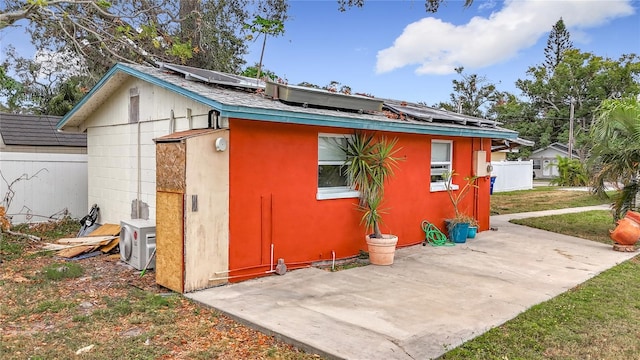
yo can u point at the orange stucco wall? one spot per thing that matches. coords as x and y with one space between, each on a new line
273 184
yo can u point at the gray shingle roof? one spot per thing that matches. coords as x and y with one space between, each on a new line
36 130
232 102
559 147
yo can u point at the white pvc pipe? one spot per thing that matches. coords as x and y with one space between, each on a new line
333 260
139 172
271 269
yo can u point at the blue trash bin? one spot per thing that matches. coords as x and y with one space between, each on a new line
493 181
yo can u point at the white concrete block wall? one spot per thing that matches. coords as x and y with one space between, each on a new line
113 151
113 170
512 175
60 183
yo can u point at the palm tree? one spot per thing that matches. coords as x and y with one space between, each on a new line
369 164
616 154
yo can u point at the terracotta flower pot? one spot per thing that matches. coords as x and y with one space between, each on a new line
626 233
632 215
382 250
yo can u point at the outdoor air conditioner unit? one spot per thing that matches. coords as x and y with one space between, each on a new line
138 242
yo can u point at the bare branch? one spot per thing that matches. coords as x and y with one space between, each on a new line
6 201
28 236
8 18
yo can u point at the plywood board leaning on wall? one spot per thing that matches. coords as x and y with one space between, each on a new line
169 241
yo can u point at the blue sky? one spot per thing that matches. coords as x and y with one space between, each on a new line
394 49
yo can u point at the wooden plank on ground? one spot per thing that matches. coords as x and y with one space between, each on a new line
106 229
50 246
75 251
113 243
92 242
86 240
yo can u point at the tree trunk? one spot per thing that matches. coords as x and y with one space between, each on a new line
376 231
189 13
264 43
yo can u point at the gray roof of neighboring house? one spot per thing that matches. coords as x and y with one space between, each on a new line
36 130
256 105
559 147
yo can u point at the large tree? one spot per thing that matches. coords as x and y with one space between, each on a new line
558 42
584 79
103 32
472 94
96 34
570 82
50 83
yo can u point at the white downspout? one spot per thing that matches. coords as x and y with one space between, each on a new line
333 260
271 269
172 123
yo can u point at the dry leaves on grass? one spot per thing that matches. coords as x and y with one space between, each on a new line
122 314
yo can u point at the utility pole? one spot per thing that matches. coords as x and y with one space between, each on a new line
571 129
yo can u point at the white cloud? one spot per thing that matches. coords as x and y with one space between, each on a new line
438 47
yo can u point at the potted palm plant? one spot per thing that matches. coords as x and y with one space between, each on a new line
458 227
369 164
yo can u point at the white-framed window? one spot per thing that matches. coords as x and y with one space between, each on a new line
332 181
441 163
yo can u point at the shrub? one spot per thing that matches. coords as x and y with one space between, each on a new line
571 172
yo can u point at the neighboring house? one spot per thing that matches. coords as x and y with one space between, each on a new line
545 160
44 172
246 175
510 175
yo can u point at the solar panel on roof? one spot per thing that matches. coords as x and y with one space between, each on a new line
430 114
214 77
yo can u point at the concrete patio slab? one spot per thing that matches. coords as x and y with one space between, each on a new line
430 300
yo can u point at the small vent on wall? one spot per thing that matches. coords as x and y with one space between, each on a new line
194 203
134 105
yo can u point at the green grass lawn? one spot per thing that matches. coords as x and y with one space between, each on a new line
599 319
542 198
593 225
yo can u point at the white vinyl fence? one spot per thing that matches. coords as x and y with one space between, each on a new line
512 175
41 186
